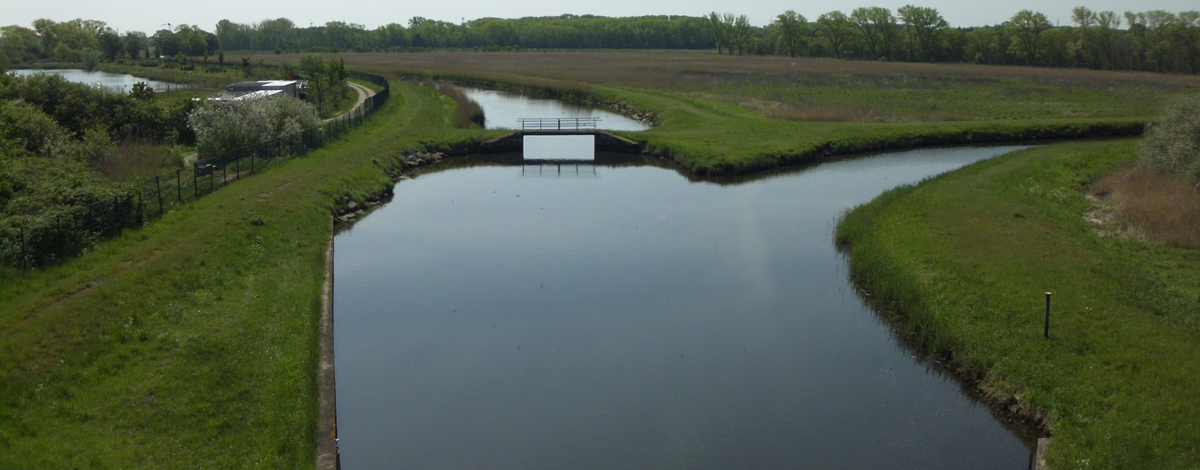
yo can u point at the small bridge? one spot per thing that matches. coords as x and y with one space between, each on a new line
605 141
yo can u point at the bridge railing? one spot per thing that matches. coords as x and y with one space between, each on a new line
559 124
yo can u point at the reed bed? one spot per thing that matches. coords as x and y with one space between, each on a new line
1153 205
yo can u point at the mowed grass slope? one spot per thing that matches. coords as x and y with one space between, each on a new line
962 261
192 343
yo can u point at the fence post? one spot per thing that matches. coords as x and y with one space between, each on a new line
210 178
158 186
196 181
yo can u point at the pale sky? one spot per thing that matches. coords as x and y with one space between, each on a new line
149 16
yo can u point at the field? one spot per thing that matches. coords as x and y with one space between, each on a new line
960 264
192 342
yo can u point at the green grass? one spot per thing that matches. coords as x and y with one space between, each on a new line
371 86
191 343
346 103
713 137
961 262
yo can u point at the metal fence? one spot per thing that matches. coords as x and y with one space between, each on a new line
28 242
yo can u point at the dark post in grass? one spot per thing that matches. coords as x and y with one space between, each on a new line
196 181
1046 330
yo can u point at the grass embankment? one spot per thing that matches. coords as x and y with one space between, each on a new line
192 343
961 262
727 114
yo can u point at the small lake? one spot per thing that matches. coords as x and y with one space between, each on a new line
502 109
589 316
118 82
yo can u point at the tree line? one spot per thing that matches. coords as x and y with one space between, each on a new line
1157 41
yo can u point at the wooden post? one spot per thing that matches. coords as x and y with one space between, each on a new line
196 181
1046 329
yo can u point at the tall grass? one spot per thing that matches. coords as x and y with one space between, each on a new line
136 160
469 113
1154 205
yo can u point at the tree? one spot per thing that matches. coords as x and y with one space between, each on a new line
110 44
719 33
792 28
1027 26
835 28
134 42
923 27
166 43
741 33
877 27
90 58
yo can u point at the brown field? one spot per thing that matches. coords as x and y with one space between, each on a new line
1154 206
689 69
811 89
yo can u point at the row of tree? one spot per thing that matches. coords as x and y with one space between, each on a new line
1154 41
1157 41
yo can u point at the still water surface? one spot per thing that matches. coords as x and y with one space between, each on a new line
502 109
118 82
627 318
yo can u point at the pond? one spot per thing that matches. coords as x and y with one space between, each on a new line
619 316
118 82
502 109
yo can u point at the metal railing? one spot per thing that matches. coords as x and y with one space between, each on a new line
559 124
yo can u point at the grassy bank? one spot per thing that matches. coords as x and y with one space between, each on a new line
728 114
191 343
960 263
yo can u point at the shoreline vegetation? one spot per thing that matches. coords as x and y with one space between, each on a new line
199 342
958 264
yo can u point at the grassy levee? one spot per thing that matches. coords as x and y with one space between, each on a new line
711 137
960 263
192 342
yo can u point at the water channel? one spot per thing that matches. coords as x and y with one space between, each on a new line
624 317
118 82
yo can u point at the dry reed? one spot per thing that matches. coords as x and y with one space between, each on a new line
1154 205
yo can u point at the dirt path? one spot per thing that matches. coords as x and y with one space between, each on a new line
363 94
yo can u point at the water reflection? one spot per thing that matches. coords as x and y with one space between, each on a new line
121 83
502 109
640 321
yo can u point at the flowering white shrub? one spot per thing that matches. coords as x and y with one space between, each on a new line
1172 145
224 126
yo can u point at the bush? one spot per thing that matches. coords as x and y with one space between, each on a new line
1172 145
224 126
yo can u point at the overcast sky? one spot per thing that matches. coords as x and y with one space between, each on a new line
149 16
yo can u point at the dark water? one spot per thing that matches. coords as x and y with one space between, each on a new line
612 318
122 83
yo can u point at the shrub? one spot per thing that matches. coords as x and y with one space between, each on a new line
1172 145
224 126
